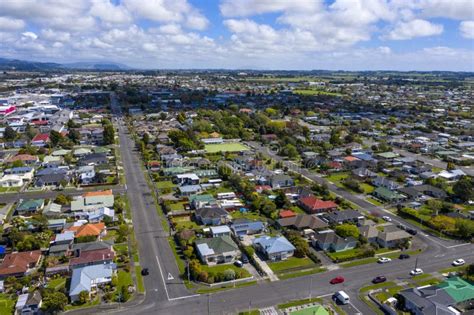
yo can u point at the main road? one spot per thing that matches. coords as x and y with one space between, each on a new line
171 297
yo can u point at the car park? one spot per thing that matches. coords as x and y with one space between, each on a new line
416 272
459 262
379 279
383 260
337 280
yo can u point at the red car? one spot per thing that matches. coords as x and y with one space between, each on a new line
337 280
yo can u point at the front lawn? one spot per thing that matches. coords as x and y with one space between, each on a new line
337 178
247 215
374 201
225 147
6 304
291 263
177 206
124 279
186 223
368 189
57 283
223 267
165 185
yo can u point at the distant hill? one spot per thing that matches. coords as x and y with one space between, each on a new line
25 65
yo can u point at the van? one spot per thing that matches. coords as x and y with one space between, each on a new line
342 297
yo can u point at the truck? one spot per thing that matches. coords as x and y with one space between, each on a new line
342 297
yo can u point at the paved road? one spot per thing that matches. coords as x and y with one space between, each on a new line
435 162
51 194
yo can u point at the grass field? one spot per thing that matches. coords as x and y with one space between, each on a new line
315 92
138 273
336 178
367 188
165 184
225 147
222 268
57 284
374 202
291 263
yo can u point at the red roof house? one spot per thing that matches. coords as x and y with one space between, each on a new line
17 264
287 214
311 204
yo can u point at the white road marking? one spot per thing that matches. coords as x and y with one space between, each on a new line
163 278
350 303
184 297
170 276
463 244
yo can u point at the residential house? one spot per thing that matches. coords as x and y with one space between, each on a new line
345 216
370 232
86 174
88 278
330 241
281 181
29 206
25 172
29 303
56 224
311 204
93 159
59 250
66 237
186 179
27 159
52 210
40 140
18 264
392 236
188 190
51 177
220 230
381 181
247 227
363 173
450 297
303 221
11 181
96 230
388 195
92 257
431 191
200 201
93 200
217 250
274 248
212 216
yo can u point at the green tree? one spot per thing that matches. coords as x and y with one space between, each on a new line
53 302
281 200
10 134
84 297
450 166
109 132
465 228
62 199
464 188
55 138
290 151
229 274
347 230
74 136
122 233
30 132
443 223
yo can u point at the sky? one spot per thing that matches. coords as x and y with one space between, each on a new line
243 34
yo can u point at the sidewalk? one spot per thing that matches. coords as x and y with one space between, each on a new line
265 268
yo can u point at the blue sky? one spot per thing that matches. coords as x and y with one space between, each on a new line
236 34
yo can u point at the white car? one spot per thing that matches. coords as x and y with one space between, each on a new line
416 272
384 260
459 262
387 218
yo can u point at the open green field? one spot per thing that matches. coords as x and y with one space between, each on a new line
225 147
291 263
222 268
315 92
165 185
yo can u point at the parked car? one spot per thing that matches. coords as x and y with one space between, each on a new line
244 259
404 256
459 262
416 272
402 227
387 218
412 231
383 260
379 279
145 272
238 263
337 280
341 297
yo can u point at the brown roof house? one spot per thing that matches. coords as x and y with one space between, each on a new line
19 263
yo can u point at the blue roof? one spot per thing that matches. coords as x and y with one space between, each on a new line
273 245
2 249
82 278
245 226
363 156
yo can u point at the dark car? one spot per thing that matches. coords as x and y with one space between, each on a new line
412 231
244 259
337 280
379 279
404 256
145 272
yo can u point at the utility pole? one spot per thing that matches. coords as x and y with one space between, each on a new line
209 304
187 265
416 263
310 287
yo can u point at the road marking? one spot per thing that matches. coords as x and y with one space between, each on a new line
170 276
350 303
184 297
163 278
454 246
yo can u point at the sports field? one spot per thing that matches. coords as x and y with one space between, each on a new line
225 147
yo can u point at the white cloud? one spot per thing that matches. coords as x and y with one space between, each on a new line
241 8
110 13
413 29
55 36
453 9
467 29
10 24
29 35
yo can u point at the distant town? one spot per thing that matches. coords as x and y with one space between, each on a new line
236 192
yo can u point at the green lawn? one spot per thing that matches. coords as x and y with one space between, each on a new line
337 178
299 302
186 224
94 302
359 262
6 304
57 283
248 215
165 184
291 263
138 274
9 189
222 268
345 254
124 280
121 249
225 147
307 92
295 274
206 290
374 201
367 188
178 206
377 286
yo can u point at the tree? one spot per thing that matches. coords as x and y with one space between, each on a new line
229 274
9 134
55 138
301 245
30 132
62 199
122 233
74 136
109 132
84 297
281 200
443 223
53 302
347 230
290 151
146 138
464 188
450 166
465 228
